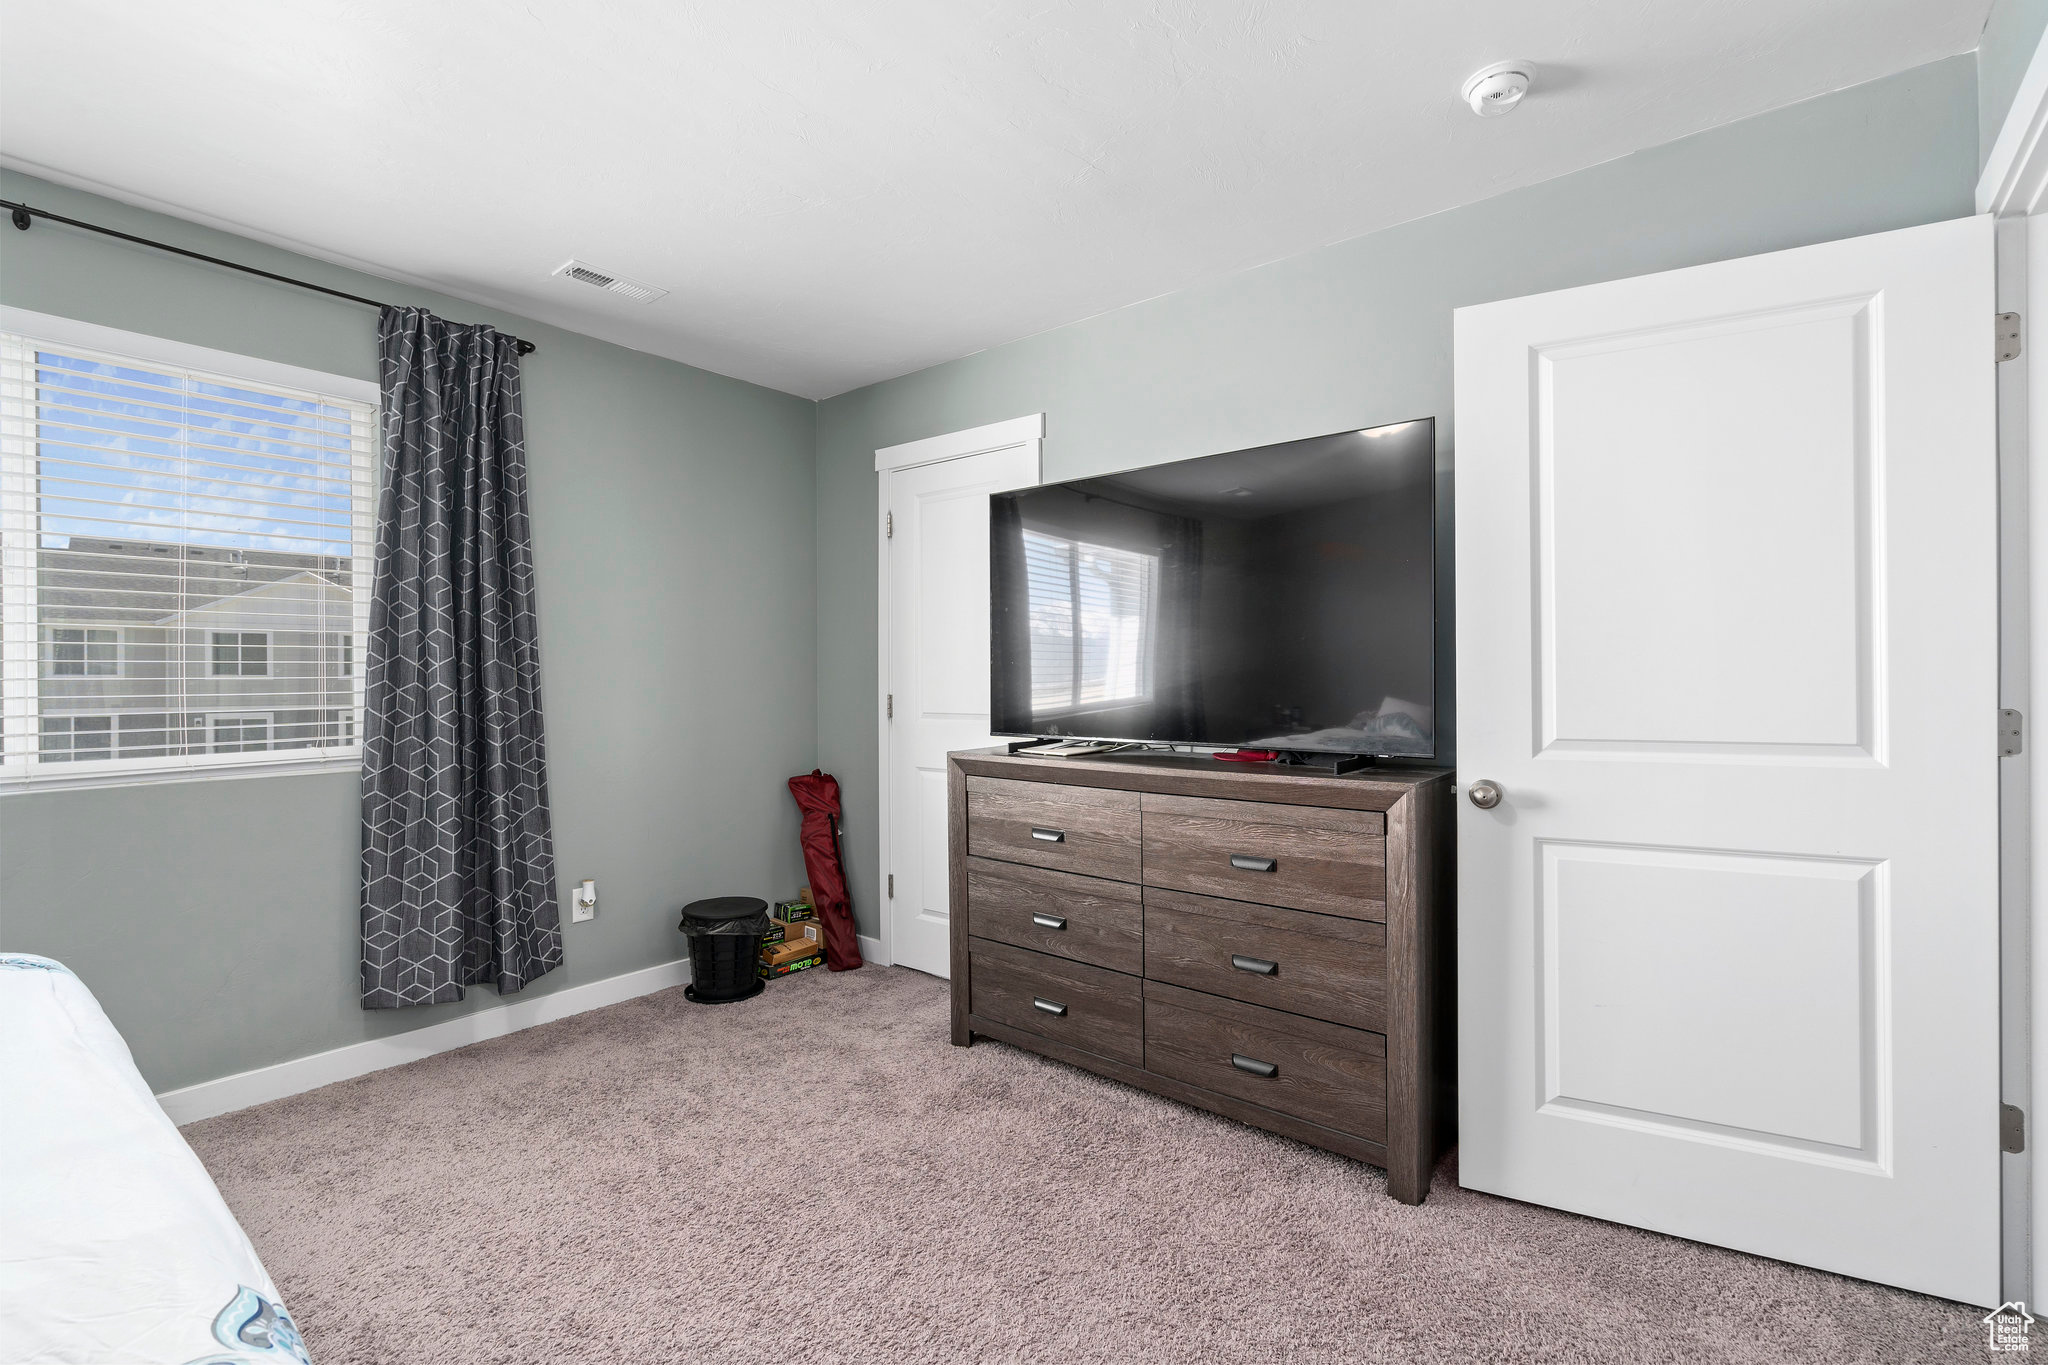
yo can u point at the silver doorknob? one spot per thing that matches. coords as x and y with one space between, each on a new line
1485 795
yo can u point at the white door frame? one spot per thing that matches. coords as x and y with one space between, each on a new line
2014 187
1017 431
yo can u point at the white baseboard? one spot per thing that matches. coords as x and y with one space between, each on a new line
265 1083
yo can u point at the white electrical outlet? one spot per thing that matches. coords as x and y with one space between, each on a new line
583 902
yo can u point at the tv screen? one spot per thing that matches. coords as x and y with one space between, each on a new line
1276 598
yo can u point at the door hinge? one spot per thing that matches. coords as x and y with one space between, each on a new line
892 886
2012 1128
2008 732
888 526
891 712
2008 333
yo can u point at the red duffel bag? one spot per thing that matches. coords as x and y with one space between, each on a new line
817 796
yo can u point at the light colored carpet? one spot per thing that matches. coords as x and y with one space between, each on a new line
819 1176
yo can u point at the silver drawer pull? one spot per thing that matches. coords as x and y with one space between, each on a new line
1253 1066
1050 921
1257 966
1245 862
1050 836
1052 1007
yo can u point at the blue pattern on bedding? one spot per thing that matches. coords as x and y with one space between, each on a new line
257 1332
26 962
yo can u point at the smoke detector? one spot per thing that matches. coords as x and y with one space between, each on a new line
1497 89
610 283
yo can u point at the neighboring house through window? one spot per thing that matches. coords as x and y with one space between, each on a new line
185 582
81 652
143 734
241 654
72 739
240 734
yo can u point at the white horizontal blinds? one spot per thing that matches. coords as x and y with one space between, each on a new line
1049 579
187 561
20 639
1092 609
1115 596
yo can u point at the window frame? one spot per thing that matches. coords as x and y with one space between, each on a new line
113 733
44 661
213 661
20 630
1146 695
269 719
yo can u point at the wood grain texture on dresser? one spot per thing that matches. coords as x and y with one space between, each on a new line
1326 1073
1375 788
1303 857
1229 1106
1419 977
1090 1008
1088 919
1068 829
1322 966
958 906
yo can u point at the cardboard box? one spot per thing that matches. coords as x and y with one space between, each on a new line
792 912
774 955
809 929
783 931
796 965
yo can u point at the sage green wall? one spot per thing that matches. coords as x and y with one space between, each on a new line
1360 333
2011 33
216 921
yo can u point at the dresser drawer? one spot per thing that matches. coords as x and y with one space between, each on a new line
1319 965
1303 857
1083 918
1090 1008
1069 829
1325 1073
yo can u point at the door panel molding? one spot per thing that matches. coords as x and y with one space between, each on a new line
1628 569
1655 930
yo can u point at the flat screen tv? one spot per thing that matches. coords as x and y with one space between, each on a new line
1276 598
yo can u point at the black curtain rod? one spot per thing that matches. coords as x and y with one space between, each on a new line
24 215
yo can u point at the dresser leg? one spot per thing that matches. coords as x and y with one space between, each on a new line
1407 1186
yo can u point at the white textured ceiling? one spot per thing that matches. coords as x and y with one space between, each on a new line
838 191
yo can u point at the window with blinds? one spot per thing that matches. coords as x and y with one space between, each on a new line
186 561
1091 614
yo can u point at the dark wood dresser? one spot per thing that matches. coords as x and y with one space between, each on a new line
1259 941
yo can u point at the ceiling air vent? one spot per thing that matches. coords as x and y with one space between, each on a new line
613 284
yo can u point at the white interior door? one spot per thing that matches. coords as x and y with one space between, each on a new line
937 684
1727 643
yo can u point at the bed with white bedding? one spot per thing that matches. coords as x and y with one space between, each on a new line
115 1247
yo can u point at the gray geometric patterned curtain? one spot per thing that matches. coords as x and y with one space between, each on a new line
458 849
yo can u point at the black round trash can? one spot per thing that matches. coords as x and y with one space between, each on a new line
725 948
